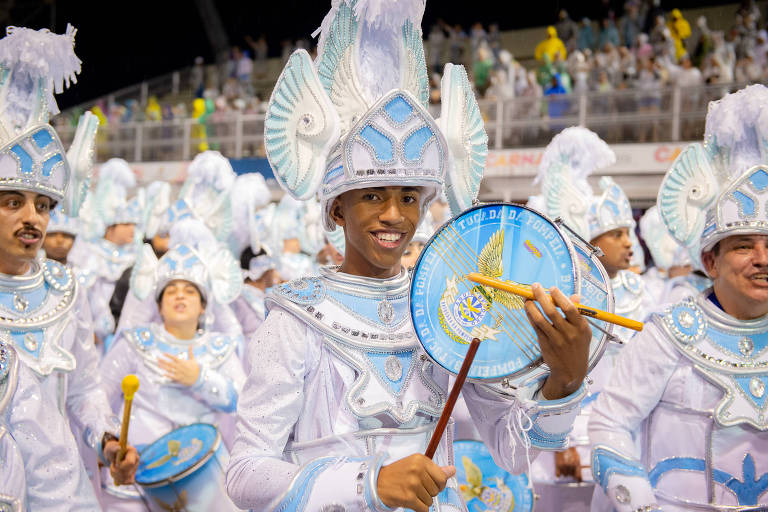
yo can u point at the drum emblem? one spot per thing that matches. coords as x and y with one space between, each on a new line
497 497
461 315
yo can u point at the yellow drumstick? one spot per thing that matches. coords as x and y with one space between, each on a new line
130 385
525 291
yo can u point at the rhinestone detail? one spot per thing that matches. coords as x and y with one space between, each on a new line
622 494
686 319
746 346
30 342
393 368
386 312
757 387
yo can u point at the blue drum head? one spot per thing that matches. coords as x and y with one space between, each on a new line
177 454
504 241
484 486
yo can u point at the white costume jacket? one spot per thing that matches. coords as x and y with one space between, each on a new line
339 386
40 466
98 265
683 422
47 316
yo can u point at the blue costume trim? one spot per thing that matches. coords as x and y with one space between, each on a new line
606 463
747 491
296 498
304 291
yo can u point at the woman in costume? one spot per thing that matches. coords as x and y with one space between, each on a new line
189 373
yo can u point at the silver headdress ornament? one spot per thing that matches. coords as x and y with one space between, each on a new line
107 204
205 195
195 256
59 222
720 188
665 250
569 159
610 211
357 117
33 65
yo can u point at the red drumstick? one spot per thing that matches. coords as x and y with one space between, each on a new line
452 397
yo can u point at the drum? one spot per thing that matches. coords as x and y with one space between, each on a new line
508 242
184 471
486 487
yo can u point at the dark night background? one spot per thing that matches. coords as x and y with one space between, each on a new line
124 42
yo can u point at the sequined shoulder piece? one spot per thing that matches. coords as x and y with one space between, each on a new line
684 321
58 276
141 337
632 282
8 373
304 291
211 349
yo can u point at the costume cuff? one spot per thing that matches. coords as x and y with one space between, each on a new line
216 390
343 482
624 481
553 420
93 435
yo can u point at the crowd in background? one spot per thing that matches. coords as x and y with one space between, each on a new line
641 50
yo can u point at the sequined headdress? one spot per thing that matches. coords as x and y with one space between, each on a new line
720 188
664 249
357 116
108 204
194 256
610 210
59 222
33 65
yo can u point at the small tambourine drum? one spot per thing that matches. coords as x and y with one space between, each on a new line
185 471
511 243
485 486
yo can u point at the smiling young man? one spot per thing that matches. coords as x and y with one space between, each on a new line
682 423
43 312
341 401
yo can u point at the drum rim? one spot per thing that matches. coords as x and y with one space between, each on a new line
535 369
595 356
188 471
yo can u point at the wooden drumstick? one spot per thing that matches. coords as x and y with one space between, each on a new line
452 397
130 385
525 291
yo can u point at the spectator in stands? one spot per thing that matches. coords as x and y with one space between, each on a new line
747 70
260 54
545 72
680 30
586 39
243 70
477 36
649 85
631 25
550 46
608 34
761 49
197 78
558 103
704 45
567 30
153 112
494 40
435 43
657 36
482 69
643 49
457 40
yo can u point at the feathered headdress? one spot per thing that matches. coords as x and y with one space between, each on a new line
357 117
663 247
720 188
33 65
569 159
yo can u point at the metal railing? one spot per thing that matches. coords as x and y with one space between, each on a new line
666 114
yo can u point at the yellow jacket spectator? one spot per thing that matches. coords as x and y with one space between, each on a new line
551 46
680 30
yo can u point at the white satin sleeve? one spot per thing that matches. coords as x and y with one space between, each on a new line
54 474
258 476
87 404
640 376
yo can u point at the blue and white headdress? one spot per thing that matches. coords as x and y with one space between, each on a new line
33 65
664 249
107 204
569 159
205 195
195 256
60 222
609 211
720 188
154 214
357 117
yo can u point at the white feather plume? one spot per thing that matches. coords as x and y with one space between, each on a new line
118 173
33 56
737 131
191 232
250 193
213 169
582 149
